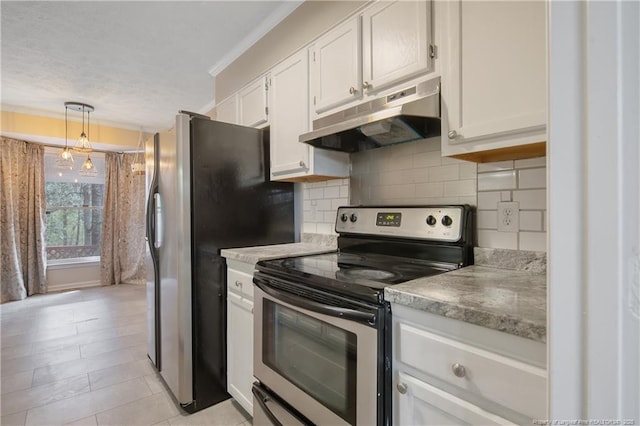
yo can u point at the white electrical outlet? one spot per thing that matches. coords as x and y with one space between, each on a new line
508 217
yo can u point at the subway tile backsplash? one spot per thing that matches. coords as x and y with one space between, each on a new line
416 173
411 173
526 184
320 204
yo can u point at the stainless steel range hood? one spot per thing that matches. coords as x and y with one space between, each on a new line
404 116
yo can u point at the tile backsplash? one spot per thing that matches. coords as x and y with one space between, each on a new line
522 181
411 173
320 204
416 173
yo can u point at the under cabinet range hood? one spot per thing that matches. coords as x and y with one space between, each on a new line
407 115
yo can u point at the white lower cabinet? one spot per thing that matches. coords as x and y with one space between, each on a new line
451 372
240 333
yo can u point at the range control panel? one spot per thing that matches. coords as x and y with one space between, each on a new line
440 223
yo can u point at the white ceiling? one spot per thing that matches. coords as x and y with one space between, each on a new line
137 63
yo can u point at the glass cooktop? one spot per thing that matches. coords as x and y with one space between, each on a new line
353 273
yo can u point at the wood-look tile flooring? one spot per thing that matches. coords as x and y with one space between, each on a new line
80 358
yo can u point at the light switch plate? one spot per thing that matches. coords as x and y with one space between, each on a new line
508 216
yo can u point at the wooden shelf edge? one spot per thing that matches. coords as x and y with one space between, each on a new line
520 152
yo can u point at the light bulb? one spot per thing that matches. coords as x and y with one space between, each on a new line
65 159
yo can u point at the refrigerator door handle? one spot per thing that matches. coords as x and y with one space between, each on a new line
157 220
151 225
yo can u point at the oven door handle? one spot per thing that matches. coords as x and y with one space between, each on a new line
288 418
367 318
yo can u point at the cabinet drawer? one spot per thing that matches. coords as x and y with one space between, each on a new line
422 404
510 383
240 282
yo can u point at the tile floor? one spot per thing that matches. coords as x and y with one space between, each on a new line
79 358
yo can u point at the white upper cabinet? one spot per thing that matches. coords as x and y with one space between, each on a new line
254 103
290 116
292 160
494 78
396 40
227 110
337 67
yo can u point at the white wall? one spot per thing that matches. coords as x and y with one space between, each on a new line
594 211
73 275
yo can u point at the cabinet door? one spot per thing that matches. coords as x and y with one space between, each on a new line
240 350
494 79
290 116
396 38
227 110
337 67
254 106
418 403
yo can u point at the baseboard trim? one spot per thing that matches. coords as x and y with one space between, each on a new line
72 286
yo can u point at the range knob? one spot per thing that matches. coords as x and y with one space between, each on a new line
431 220
344 217
354 217
446 220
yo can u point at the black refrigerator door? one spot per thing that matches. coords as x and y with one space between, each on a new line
233 204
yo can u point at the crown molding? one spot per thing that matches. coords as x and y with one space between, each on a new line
260 31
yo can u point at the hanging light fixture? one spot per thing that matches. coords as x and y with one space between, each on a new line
82 145
88 169
137 167
64 158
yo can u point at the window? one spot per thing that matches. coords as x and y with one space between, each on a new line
74 208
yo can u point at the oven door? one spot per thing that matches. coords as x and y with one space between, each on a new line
319 356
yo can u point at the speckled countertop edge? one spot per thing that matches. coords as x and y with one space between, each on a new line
508 300
312 244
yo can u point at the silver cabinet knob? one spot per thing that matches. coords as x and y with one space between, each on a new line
302 164
366 85
458 370
239 284
402 388
452 134
352 90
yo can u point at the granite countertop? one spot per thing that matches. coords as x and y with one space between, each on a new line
509 300
311 244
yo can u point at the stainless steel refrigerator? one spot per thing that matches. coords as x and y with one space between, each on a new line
208 189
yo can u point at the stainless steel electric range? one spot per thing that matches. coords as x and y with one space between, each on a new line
322 348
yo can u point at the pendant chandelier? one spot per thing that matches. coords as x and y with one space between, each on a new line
64 159
137 167
88 169
82 145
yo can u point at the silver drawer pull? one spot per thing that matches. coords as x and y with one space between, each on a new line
239 284
402 388
458 370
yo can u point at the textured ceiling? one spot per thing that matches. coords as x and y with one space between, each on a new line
137 63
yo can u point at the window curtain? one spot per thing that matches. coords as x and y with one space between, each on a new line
22 220
122 258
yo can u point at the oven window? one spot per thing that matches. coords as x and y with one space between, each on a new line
317 357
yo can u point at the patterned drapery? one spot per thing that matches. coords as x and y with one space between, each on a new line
122 258
22 220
